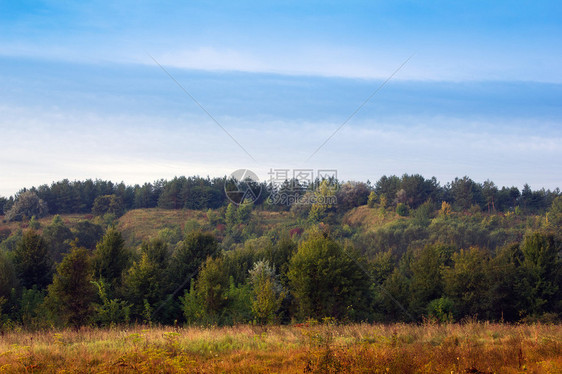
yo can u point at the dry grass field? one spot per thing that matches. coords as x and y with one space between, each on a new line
369 219
359 348
70 220
142 224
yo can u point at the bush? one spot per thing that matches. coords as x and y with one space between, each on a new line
402 209
441 309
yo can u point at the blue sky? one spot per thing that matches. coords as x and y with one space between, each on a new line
80 96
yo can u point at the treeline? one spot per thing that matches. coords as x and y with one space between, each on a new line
65 197
100 197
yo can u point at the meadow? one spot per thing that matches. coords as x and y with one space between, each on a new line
470 347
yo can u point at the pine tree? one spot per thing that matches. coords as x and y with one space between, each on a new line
72 293
32 260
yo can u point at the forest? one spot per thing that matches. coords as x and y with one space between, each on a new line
179 252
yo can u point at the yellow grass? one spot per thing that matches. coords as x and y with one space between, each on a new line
268 220
360 348
70 220
368 218
141 224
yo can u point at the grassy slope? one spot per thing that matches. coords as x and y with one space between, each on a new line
140 224
398 348
368 219
69 220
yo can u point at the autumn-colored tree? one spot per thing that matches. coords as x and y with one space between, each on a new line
268 293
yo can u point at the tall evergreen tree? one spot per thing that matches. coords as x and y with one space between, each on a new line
145 283
72 293
32 260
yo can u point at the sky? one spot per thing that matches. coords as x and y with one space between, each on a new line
136 91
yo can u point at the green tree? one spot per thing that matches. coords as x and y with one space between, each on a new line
422 215
555 214
239 303
441 309
326 281
279 256
417 189
426 279
541 272
3 205
7 275
10 243
34 223
110 311
87 234
192 306
211 289
111 258
108 204
32 260
189 255
394 295
244 212
372 200
58 237
72 293
491 194
467 282
145 283
388 186
504 299
32 311
402 209
324 199
171 235
230 216
466 193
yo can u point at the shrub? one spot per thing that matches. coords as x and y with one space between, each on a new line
402 209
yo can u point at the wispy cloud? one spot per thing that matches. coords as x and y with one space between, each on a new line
138 148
